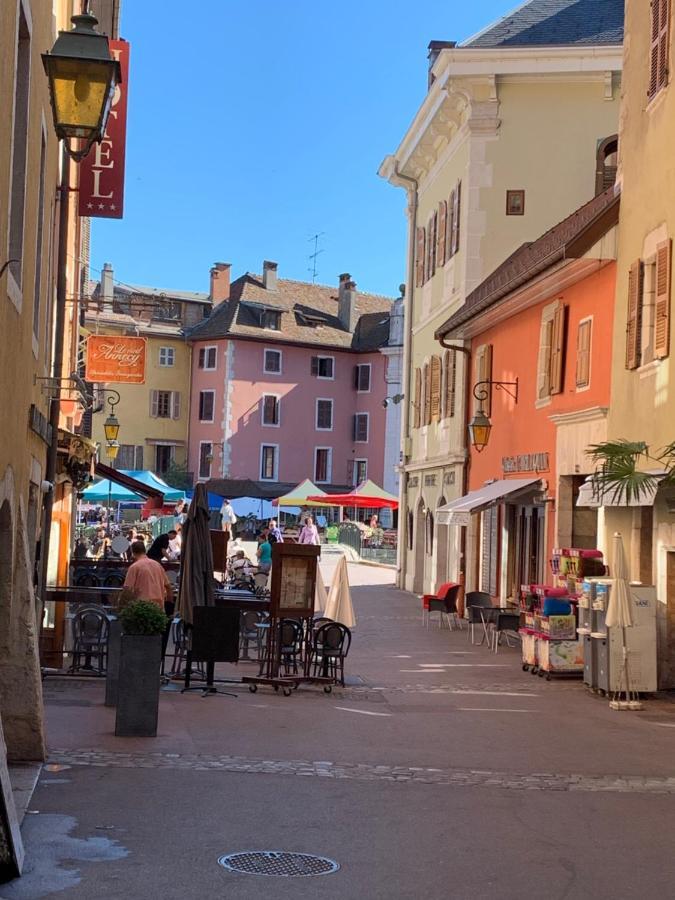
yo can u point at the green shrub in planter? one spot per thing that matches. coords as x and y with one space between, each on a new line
143 617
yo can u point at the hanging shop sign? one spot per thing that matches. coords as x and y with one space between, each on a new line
115 360
525 462
102 169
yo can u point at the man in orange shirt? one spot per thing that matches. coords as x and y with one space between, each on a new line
147 579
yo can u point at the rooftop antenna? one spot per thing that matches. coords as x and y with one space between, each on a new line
313 256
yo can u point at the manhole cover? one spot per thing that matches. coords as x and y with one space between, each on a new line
276 862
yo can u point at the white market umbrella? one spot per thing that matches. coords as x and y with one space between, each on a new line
320 595
620 615
339 607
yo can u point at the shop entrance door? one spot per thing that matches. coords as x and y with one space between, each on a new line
420 537
530 547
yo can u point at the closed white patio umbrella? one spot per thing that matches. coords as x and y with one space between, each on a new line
620 615
339 607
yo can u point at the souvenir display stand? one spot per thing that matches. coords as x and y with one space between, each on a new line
292 592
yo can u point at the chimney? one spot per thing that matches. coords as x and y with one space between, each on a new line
270 275
347 312
435 48
106 293
220 282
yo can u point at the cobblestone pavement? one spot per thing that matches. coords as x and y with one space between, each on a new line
535 781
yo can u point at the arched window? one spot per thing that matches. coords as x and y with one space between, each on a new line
606 161
411 520
429 532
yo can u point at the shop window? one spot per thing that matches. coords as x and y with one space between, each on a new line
411 519
489 550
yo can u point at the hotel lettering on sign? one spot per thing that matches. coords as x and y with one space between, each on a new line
525 462
115 360
102 169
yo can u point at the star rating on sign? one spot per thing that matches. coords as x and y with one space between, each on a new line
90 205
112 206
101 206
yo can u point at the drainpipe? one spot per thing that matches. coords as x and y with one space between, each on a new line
389 170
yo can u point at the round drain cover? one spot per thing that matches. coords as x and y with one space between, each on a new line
278 862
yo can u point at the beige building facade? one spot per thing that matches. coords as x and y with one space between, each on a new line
507 142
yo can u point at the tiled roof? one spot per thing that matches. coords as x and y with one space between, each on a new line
309 315
547 23
568 239
128 290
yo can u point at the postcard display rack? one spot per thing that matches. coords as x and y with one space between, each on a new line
550 643
292 593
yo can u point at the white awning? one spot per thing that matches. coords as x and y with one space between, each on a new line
594 497
458 512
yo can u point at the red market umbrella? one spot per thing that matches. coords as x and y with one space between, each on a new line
357 500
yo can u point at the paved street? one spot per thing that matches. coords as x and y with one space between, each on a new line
442 770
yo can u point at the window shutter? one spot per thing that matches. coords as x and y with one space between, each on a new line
455 218
417 409
314 365
139 458
442 229
484 373
175 406
356 378
427 394
450 227
558 351
419 258
154 404
450 378
355 419
435 388
664 17
662 320
202 355
583 376
634 315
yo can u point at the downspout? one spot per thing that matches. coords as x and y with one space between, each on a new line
389 170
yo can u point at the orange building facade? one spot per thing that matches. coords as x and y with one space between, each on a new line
538 331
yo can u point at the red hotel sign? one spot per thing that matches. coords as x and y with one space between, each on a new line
115 360
102 169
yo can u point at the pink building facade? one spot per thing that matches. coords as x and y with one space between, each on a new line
288 382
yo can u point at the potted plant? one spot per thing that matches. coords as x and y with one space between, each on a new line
143 624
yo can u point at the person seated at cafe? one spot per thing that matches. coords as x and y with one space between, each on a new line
264 553
160 546
240 564
176 544
80 549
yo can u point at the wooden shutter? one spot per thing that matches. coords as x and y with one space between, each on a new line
419 258
662 300
430 267
442 229
314 365
450 380
435 380
427 394
557 364
175 404
202 354
455 218
654 48
154 404
664 23
355 378
417 408
355 426
634 315
450 227
583 375
484 373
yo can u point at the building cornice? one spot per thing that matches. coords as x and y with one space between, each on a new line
436 462
577 416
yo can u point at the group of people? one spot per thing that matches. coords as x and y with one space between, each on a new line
101 546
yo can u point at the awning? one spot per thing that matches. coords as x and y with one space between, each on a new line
595 497
458 512
126 481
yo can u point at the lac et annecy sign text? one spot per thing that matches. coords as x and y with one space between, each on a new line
525 462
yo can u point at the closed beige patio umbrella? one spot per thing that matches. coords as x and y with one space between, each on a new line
339 607
620 615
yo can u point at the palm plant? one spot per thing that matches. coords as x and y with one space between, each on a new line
621 476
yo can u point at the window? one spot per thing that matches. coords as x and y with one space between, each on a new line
648 323
271 318
360 471
362 378
272 362
550 367
515 203
269 460
322 366
38 237
167 310
164 455
583 377
324 415
165 404
206 405
606 161
442 233
167 356
323 459
207 357
489 521
205 458
270 409
17 198
429 532
129 457
360 434
450 383
452 228
659 47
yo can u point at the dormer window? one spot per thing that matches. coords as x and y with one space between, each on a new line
270 318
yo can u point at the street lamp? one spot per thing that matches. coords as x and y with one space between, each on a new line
112 448
82 79
481 426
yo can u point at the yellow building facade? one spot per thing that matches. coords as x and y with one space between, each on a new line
643 374
506 143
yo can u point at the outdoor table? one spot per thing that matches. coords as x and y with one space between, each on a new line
488 616
243 600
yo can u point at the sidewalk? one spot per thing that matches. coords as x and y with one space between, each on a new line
431 737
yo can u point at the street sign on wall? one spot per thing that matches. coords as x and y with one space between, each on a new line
115 360
102 169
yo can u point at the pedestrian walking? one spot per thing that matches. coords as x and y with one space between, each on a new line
147 580
309 533
228 519
274 533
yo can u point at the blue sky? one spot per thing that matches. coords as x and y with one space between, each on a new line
254 124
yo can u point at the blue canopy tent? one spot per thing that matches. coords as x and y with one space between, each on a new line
104 490
145 476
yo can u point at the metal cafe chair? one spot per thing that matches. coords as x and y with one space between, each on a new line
90 639
444 602
249 633
506 623
291 640
474 601
181 644
329 650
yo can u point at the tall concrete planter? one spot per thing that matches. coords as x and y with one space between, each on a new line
138 685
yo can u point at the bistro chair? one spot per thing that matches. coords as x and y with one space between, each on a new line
444 602
506 623
329 650
90 639
249 633
290 639
474 601
181 644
